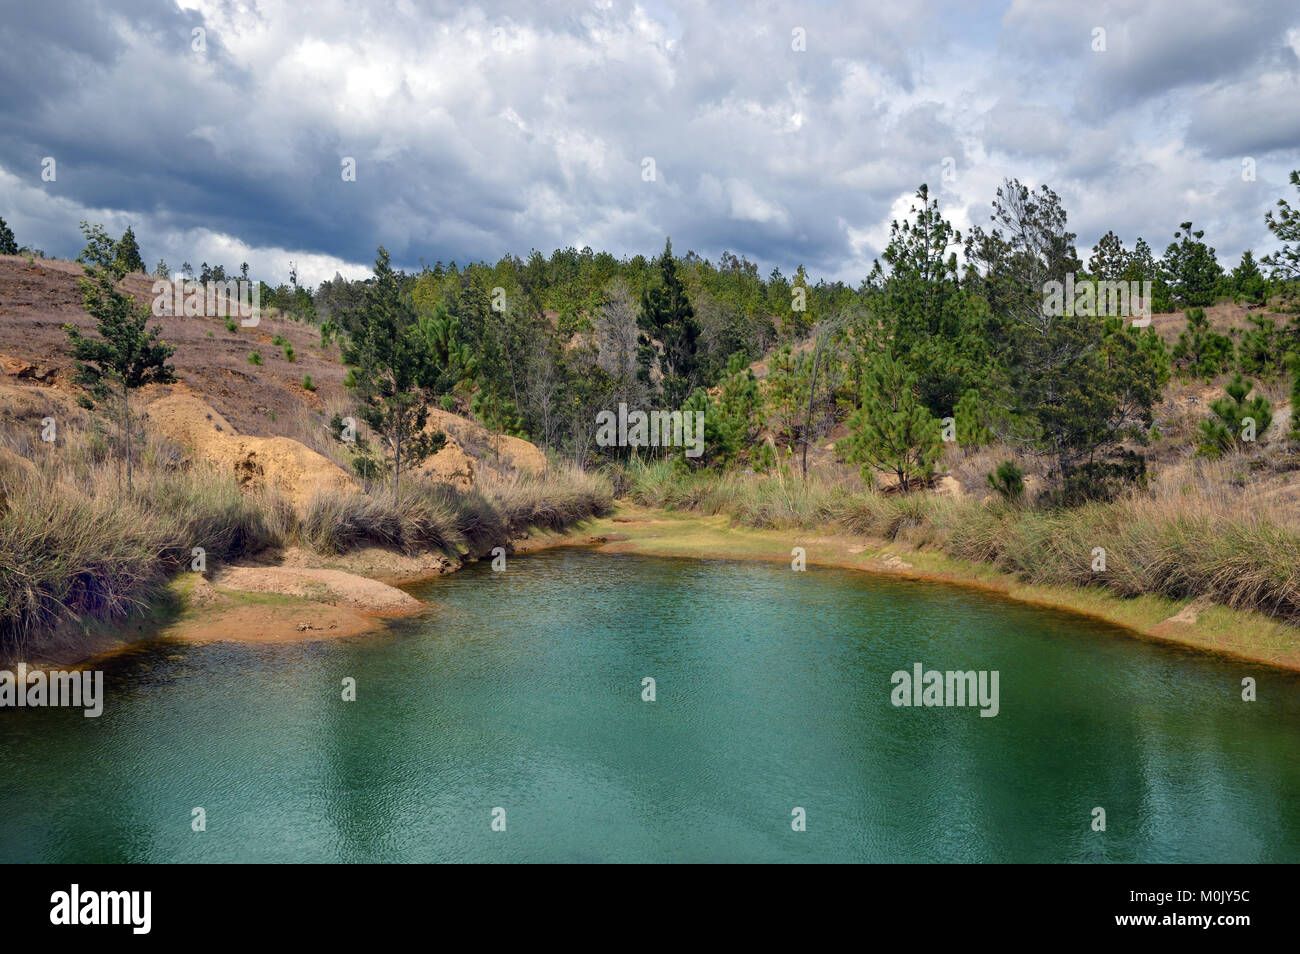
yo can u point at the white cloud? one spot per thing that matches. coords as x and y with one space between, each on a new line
480 130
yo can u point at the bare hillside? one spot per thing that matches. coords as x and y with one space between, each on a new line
37 300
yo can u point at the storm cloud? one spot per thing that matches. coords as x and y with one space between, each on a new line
789 132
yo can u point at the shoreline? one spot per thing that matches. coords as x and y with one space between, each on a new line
196 611
368 592
1191 625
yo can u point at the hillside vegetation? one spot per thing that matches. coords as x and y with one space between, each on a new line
945 402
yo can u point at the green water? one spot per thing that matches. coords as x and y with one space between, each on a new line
524 692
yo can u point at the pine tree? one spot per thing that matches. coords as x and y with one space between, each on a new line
916 295
1008 480
1293 363
127 254
967 415
127 354
892 431
389 366
1285 226
1144 267
451 360
731 420
1109 260
785 392
1201 351
1235 421
1261 350
8 244
1190 268
1248 282
1112 262
1078 388
669 332
922 311
801 321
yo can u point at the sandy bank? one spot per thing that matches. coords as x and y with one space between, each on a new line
319 585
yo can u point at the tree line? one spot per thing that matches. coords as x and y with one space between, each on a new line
926 349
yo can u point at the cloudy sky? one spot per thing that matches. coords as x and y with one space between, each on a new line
789 132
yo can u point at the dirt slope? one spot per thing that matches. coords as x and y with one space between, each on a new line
37 301
239 399
299 473
471 449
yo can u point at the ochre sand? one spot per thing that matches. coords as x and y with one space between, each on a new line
302 601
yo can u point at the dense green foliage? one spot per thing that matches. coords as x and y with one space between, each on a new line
928 344
1293 365
670 334
892 431
8 244
1190 268
1200 351
539 347
393 368
1248 283
127 254
1008 480
1234 420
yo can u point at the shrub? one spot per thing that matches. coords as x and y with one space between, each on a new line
1200 351
1235 421
1104 479
1008 480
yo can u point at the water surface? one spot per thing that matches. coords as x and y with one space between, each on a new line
524 692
